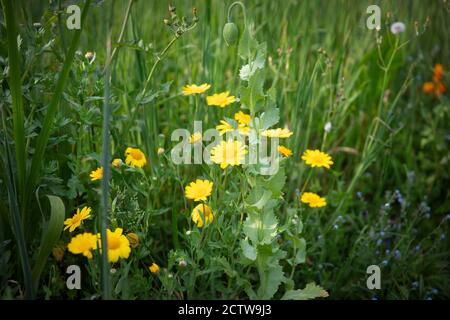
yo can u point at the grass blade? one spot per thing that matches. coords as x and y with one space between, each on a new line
15 86
50 236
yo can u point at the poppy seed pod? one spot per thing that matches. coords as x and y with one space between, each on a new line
230 33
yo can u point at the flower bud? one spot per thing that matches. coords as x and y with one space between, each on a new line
182 264
230 33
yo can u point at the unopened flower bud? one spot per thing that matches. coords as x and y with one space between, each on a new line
230 33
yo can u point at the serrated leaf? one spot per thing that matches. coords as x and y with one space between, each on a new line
276 183
311 291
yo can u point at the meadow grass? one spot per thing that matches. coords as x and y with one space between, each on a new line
387 191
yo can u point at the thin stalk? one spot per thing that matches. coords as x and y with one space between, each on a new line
105 280
122 32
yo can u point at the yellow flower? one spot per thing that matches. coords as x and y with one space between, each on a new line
202 210
243 129
194 89
199 190
154 268
83 243
75 221
220 99
224 127
277 133
316 158
118 245
285 151
96 174
195 137
230 153
313 200
242 118
135 157
117 163
133 238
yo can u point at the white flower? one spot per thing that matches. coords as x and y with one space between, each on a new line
398 27
327 127
245 73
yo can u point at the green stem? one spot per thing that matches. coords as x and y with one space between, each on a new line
105 280
243 10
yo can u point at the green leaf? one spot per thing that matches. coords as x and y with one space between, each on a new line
252 96
248 250
311 291
300 257
276 183
261 227
50 236
247 45
269 118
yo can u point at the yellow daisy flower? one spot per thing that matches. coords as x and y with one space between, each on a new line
199 190
83 244
135 157
316 158
285 151
195 89
199 211
220 99
242 118
154 268
96 174
224 127
195 137
117 163
277 133
118 245
230 153
75 221
313 200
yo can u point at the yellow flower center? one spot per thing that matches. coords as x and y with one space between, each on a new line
113 243
136 154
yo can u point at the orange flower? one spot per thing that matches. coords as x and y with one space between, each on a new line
438 72
428 87
440 89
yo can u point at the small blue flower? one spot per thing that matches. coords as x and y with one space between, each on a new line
448 216
335 227
375 298
442 237
379 242
384 262
388 252
382 233
434 291
415 284
387 205
417 248
397 254
359 194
